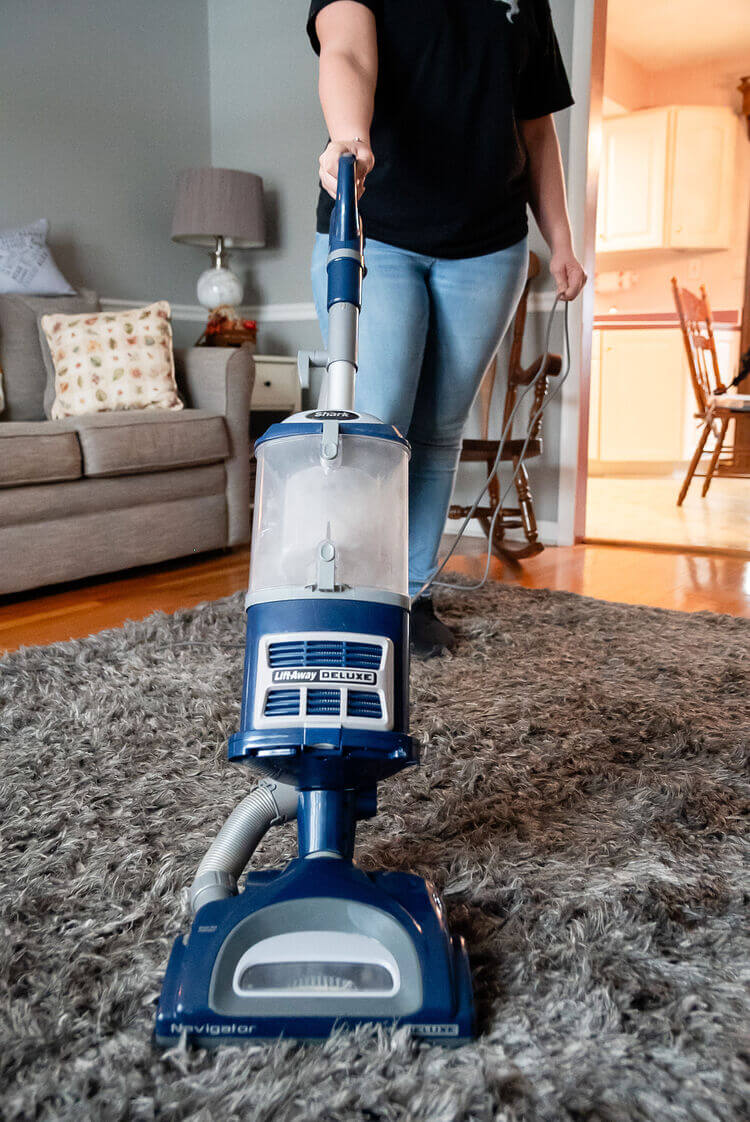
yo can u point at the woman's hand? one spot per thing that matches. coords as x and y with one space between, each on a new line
329 163
567 272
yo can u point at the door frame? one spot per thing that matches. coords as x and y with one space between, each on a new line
585 142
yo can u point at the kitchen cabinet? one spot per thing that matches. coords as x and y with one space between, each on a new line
641 396
632 181
703 162
666 179
641 404
595 395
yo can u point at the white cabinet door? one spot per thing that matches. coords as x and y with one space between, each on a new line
642 396
632 181
702 177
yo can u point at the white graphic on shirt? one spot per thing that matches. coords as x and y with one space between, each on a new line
512 8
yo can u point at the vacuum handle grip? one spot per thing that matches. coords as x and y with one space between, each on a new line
345 260
345 227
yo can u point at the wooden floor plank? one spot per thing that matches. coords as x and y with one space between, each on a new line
29 618
668 579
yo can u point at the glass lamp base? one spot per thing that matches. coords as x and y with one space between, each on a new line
219 286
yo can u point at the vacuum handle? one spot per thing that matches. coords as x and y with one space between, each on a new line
345 269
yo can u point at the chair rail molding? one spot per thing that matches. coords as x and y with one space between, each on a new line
195 313
273 313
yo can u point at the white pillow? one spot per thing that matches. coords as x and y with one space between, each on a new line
112 360
26 264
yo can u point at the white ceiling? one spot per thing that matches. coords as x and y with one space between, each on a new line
660 33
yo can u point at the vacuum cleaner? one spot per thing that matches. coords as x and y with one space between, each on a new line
321 943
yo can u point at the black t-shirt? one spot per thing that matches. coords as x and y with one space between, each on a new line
454 79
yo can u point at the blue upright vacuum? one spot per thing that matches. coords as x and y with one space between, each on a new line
325 716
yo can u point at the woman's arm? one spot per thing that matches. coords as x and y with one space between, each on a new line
348 73
548 204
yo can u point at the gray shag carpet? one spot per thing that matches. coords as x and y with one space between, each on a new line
582 805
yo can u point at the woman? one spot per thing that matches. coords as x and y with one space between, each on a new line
446 105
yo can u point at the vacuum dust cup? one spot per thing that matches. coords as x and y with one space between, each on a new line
351 495
325 714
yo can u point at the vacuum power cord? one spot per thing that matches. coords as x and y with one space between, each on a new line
498 458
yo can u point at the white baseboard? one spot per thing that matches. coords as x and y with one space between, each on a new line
548 531
277 313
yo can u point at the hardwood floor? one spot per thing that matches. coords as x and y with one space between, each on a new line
664 578
644 509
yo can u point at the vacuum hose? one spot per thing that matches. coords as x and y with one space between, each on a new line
269 803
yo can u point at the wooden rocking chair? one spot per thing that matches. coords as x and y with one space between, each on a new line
696 322
485 450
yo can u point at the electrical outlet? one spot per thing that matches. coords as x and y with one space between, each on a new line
622 281
694 268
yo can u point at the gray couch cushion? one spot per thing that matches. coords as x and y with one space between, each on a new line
24 374
135 441
21 506
37 452
69 548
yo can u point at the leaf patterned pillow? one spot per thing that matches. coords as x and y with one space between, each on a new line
112 360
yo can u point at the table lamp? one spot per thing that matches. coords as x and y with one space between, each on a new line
220 209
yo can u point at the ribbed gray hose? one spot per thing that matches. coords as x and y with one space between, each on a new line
270 802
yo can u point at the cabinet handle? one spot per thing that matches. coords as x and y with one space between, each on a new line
266 384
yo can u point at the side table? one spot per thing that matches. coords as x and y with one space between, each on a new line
276 394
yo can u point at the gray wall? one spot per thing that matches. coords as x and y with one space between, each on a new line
265 117
103 102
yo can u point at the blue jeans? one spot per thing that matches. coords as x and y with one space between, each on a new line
429 327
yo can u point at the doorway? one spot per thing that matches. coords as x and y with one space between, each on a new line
673 201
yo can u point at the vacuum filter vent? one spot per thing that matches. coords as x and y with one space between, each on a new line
318 652
323 703
324 679
282 703
361 704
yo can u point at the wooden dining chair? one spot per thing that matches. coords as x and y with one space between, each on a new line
484 450
696 322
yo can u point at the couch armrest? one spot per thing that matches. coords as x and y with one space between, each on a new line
220 380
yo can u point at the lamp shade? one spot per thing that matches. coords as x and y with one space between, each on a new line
219 202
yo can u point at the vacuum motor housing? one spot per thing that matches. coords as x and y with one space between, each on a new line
325 699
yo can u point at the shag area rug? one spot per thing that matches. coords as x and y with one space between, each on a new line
582 806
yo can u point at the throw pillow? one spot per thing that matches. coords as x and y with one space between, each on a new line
65 307
26 264
114 360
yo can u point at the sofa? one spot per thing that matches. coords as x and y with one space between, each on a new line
109 491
